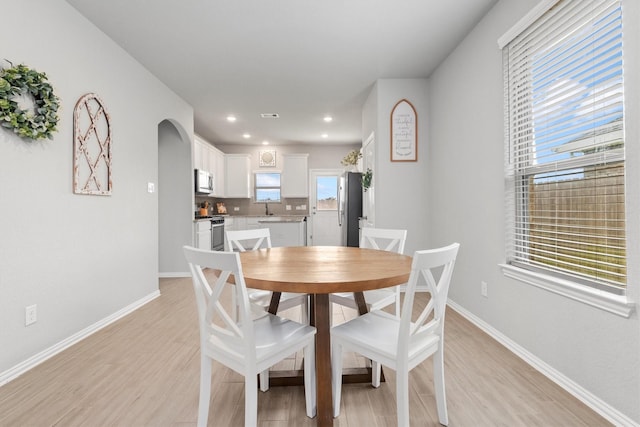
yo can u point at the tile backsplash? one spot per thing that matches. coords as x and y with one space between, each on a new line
299 206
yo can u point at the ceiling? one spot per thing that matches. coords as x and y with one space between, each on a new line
300 59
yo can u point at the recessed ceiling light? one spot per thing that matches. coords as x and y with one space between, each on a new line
328 119
231 119
246 135
265 142
325 135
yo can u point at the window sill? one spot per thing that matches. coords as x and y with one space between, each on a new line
616 304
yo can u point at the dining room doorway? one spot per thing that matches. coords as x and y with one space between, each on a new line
368 197
323 228
174 191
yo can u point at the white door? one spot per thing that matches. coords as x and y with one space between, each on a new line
323 228
368 197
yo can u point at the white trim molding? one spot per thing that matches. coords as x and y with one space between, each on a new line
585 396
35 360
616 304
535 13
173 274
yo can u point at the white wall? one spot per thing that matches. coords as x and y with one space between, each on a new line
598 351
320 156
400 187
79 258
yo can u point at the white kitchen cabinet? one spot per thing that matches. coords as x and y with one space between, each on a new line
253 223
286 232
217 170
229 224
238 175
200 154
209 158
235 223
203 234
295 172
240 222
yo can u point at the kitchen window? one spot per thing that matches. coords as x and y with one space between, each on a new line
565 157
267 187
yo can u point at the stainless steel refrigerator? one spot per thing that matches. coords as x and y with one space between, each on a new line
350 207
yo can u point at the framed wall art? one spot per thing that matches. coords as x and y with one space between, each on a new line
267 158
92 147
404 132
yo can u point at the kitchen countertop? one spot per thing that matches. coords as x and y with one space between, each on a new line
282 219
267 218
205 218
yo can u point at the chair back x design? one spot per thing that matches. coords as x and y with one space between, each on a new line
383 239
254 239
379 239
401 343
248 346
259 238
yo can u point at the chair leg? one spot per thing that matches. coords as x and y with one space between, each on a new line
310 379
304 308
205 390
264 380
336 376
438 384
402 391
330 314
376 370
250 400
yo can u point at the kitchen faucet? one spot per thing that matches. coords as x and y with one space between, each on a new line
266 208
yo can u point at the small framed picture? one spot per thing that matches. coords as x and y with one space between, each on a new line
404 132
267 158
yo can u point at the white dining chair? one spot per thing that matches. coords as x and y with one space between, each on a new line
254 239
247 345
381 239
400 343
243 240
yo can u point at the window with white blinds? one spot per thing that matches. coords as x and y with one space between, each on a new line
565 162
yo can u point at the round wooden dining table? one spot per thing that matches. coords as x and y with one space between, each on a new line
319 271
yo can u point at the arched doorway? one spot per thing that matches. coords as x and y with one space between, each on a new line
175 198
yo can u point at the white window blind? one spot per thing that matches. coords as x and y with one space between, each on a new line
565 144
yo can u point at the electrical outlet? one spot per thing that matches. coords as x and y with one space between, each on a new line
30 314
483 288
151 187
236 208
288 207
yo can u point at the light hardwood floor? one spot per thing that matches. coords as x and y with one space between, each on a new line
144 371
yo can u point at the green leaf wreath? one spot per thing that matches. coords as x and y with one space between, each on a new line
37 123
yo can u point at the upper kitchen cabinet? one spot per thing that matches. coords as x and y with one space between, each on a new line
237 176
200 154
209 158
217 170
295 171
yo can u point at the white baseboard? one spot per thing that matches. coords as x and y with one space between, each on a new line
33 361
174 274
604 409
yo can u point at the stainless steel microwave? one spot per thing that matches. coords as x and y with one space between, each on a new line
203 181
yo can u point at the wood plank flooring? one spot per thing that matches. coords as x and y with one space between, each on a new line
144 371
